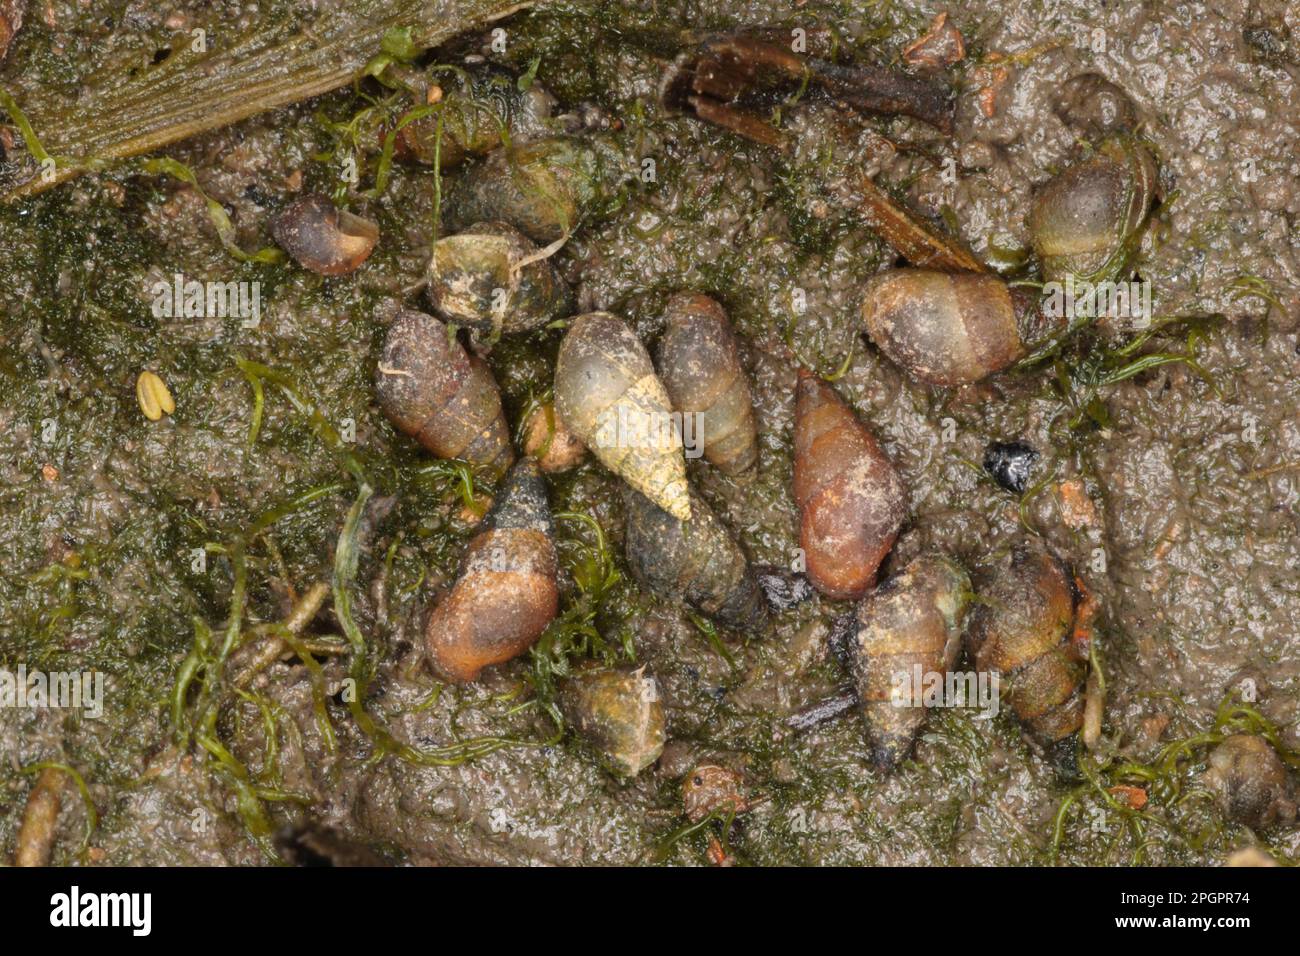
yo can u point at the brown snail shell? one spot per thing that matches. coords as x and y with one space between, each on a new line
541 188
1249 782
608 395
711 788
698 562
477 279
11 21
506 592
912 621
323 238
432 389
851 499
950 328
474 112
619 713
1021 630
548 440
1085 219
700 366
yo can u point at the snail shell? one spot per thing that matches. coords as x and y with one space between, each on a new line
607 394
474 113
950 328
1020 630
851 499
700 366
542 188
506 592
435 391
550 442
476 281
1085 219
1249 782
712 788
912 621
619 713
698 562
1094 105
323 238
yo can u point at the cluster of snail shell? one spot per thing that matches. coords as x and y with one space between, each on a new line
494 277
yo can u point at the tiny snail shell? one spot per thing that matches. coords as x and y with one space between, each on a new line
851 499
542 188
478 279
607 395
432 389
1249 782
700 366
547 439
1093 105
1085 219
950 328
619 713
323 238
910 626
698 562
710 788
506 592
1020 630
482 104
11 21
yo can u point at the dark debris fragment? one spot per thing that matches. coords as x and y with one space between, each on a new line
1010 464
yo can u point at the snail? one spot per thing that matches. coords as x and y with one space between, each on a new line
1085 221
1094 105
1249 782
491 278
698 562
952 328
474 108
607 394
323 238
713 789
11 21
700 367
432 389
543 188
1021 631
619 713
550 442
851 499
506 592
909 629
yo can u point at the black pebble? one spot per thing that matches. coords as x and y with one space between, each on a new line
783 589
1010 464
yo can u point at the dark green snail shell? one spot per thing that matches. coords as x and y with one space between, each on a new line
1086 221
698 562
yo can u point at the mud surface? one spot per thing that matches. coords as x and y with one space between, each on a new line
1175 493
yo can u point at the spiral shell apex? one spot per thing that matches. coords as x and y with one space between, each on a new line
607 394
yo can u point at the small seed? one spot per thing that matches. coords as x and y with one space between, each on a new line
154 398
